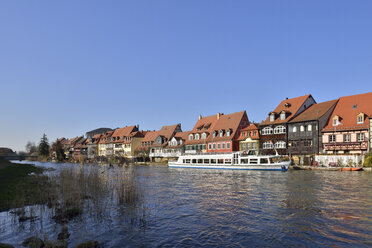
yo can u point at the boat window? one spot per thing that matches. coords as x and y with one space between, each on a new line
187 161
244 161
184 161
228 161
200 161
206 161
213 161
194 161
264 161
274 160
253 161
220 161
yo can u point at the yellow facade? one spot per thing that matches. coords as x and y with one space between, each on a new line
101 149
131 147
249 144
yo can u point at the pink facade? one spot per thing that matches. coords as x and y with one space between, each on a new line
346 142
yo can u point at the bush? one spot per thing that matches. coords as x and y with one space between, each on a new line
368 161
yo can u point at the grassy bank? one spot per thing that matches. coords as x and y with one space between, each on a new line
17 187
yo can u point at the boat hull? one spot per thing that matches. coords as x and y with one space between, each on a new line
281 167
351 169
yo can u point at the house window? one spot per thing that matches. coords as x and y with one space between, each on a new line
279 129
360 119
223 145
294 129
190 137
308 143
228 145
221 133
228 132
210 146
360 136
282 116
218 146
204 136
309 128
267 130
214 134
243 146
335 122
332 138
197 136
346 137
254 133
302 128
280 144
267 145
272 117
214 146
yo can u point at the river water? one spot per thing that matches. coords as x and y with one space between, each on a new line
193 207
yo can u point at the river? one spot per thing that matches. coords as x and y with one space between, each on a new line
194 207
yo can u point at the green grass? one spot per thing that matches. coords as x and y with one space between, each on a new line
17 188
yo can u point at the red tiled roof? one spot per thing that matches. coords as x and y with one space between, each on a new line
168 131
348 108
182 135
215 123
314 112
228 122
122 132
290 106
108 134
253 127
150 136
206 125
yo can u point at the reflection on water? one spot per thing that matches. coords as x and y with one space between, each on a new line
186 207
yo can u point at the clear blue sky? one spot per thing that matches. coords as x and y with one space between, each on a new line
67 67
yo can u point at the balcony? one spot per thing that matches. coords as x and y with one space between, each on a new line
346 146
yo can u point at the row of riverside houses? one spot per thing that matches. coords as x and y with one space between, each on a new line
298 127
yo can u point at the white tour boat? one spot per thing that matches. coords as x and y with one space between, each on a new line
232 161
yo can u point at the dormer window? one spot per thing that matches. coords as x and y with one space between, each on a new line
214 134
221 133
282 115
360 118
191 137
272 117
287 105
228 133
204 136
197 136
336 121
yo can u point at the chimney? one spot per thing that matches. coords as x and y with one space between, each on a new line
218 116
200 117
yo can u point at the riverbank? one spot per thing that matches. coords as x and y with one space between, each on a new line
20 185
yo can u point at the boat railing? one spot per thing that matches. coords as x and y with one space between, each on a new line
205 153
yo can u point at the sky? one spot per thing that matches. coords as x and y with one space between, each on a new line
67 67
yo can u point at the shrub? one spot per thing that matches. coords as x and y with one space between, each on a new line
368 161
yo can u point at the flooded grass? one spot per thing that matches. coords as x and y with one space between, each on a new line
73 193
18 188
